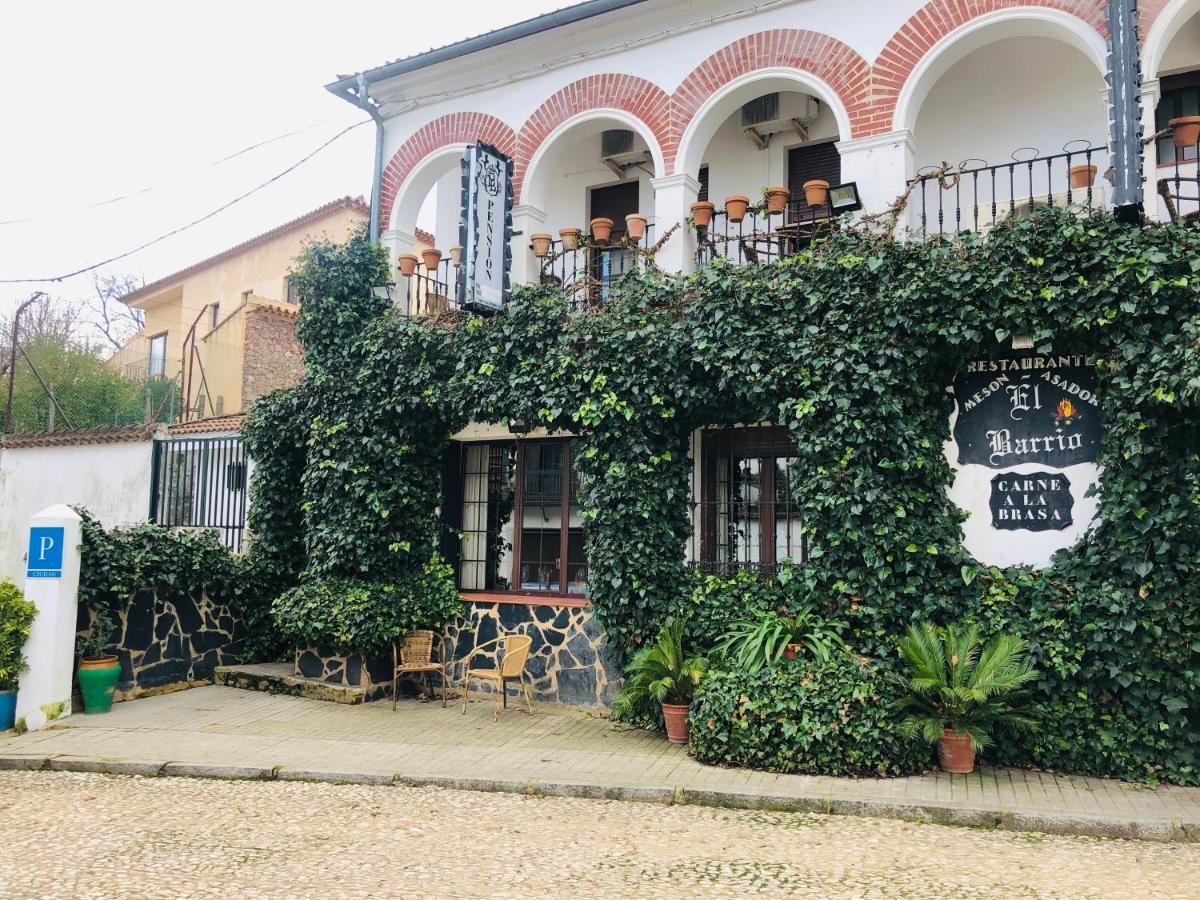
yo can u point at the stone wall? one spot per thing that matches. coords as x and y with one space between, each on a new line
165 643
273 357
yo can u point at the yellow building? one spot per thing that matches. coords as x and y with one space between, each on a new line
225 326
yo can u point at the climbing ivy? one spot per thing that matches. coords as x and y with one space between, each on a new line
850 345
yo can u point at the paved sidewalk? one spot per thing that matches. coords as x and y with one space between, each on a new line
225 732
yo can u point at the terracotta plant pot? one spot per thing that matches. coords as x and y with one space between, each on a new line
602 228
955 753
1082 177
541 244
816 192
1186 131
777 198
702 213
635 226
407 263
569 238
431 258
676 717
456 255
791 651
736 207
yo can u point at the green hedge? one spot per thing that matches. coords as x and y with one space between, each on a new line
834 718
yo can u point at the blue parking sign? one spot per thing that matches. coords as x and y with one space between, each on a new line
45 552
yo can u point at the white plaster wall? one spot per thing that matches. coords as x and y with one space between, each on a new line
572 166
449 202
111 480
1183 53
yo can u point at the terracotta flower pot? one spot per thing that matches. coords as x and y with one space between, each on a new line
541 244
816 192
955 753
1186 131
1082 177
456 255
676 717
791 651
431 258
407 263
569 237
602 228
736 207
777 198
635 226
702 213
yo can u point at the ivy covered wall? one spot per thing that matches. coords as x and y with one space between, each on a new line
851 346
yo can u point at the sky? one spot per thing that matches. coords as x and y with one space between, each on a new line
150 100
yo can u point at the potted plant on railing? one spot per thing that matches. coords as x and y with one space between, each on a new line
816 192
407 263
99 669
569 238
635 227
541 244
959 688
432 258
1185 130
667 673
776 199
761 642
602 227
16 616
736 207
702 213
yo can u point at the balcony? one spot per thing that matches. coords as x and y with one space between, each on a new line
587 266
772 230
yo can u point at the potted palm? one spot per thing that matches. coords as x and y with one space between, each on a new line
761 642
16 617
99 669
666 673
960 688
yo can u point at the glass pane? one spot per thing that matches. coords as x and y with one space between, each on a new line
789 536
577 568
485 556
541 519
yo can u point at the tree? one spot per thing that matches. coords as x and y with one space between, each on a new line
115 321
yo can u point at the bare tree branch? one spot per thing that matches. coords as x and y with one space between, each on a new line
115 321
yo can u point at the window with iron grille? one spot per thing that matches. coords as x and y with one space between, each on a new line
747 518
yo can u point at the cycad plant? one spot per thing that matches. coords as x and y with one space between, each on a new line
958 683
663 671
754 644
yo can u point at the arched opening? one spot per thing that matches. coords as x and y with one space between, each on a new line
1016 108
1172 52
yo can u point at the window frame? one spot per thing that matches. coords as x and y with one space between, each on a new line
150 342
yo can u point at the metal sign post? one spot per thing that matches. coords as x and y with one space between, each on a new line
1125 109
485 230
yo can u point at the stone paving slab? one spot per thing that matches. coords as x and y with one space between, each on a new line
223 732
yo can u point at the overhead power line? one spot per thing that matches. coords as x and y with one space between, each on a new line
194 222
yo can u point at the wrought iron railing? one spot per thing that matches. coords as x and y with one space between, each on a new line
974 196
1180 190
587 269
760 235
428 292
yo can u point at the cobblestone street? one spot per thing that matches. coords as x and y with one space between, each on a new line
80 835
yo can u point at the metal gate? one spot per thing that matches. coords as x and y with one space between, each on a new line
201 483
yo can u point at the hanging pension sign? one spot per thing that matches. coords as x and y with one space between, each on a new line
485 229
1028 408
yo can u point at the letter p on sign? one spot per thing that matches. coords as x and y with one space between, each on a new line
45 553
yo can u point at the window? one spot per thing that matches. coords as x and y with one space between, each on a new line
807 162
293 290
520 525
216 314
703 179
747 517
1180 97
158 356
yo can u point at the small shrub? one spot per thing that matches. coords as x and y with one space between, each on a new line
16 616
804 716
664 672
350 615
753 643
716 602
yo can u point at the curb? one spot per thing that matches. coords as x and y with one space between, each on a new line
1047 822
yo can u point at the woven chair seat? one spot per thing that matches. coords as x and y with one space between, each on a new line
419 667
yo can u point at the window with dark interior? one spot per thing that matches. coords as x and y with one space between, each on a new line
747 517
1180 97
806 163
515 508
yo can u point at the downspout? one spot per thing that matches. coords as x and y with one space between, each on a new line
363 98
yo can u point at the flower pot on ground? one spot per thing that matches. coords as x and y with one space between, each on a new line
702 213
1186 131
777 198
602 228
407 263
431 258
16 616
456 255
99 670
635 226
816 192
1082 177
541 244
569 238
960 688
665 673
736 207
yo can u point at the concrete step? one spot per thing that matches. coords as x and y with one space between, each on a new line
280 678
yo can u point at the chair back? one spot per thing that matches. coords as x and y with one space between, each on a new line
416 649
516 652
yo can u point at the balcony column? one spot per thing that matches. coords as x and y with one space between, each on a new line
1151 93
395 242
673 199
526 221
882 166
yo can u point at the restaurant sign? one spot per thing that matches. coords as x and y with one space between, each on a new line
485 229
1037 501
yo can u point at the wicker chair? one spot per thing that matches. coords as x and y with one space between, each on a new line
515 649
412 656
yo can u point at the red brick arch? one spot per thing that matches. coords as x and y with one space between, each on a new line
827 58
444 131
929 25
642 99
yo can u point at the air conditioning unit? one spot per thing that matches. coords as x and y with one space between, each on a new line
617 153
761 119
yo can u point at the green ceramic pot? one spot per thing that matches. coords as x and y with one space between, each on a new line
98 682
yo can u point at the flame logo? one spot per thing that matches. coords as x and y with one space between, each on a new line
1066 409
